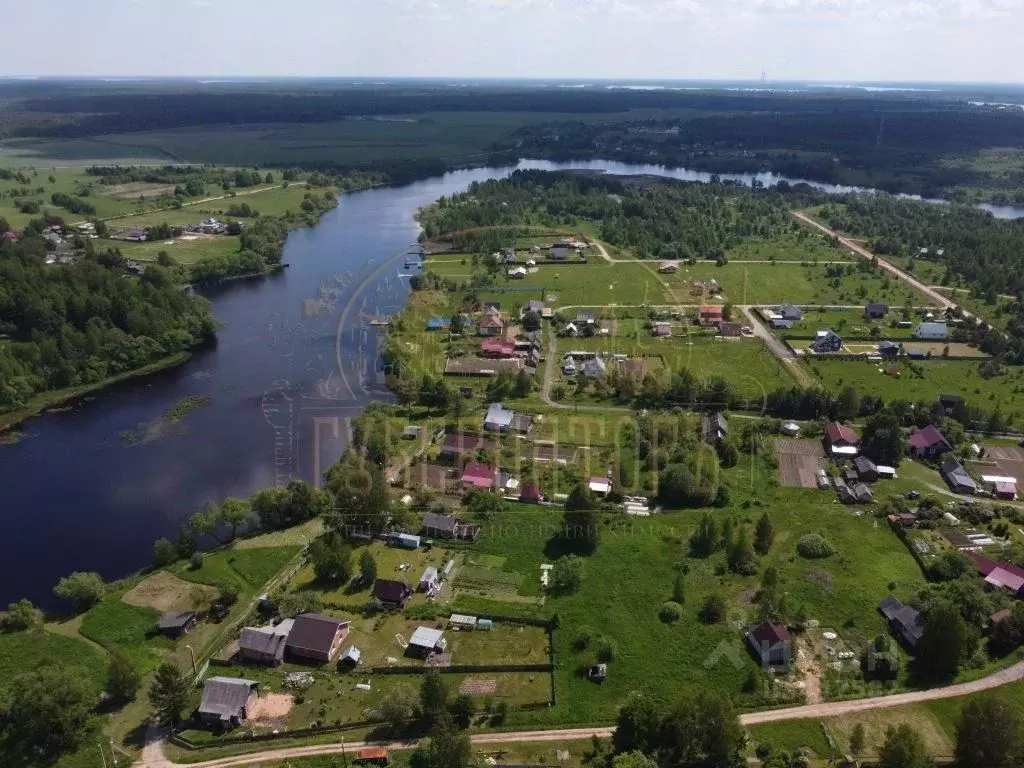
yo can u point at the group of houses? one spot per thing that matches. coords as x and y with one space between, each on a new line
498 353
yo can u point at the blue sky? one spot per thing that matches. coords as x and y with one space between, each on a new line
919 40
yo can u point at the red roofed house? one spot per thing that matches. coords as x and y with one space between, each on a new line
661 329
497 348
710 316
372 756
1005 575
1006 491
477 476
841 439
530 494
928 443
491 324
772 644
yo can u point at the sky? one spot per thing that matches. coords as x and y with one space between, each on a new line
818 40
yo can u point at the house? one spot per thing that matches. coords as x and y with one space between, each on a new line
668 268
771 644
998 574
933 331
530 494
549 453
460 444
917 354
889 350
884 472
866 469
372 756
438 526
517 273
176 623
490 325
791 313
497 348
826 342
477 476
521 424
429 580
862 494
227 701
425 642
316 637
905 621
729 330
561 253
1002 487
951 404
438 323
956 477
265 645
602 486
568 366
594 367
661 330
710 316
391 594
841 440
570 329
875 311
779 323
498 418
586 317
714 427
533 305
928 443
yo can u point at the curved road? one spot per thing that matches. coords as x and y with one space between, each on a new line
153 756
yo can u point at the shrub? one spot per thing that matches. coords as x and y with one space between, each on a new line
713 610
670 612
813 546
196 561
606 649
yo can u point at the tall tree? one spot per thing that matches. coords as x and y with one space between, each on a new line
332 558
433 697
449 747
362 496
123 679
49 709
764 535
81 588
883 440
989 734
903 748
235 512
367 567
582 520
169 693
945 643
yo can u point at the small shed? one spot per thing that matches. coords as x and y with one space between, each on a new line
351 656
406 540
426 641
176 623
372 756
485 624
461 621
428 580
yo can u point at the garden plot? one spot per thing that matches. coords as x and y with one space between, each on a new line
166 592
1008 458
799 462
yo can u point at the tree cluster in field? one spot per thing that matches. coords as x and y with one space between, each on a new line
665 221
69 325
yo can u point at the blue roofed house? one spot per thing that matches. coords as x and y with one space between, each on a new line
791 312
934 331
780 323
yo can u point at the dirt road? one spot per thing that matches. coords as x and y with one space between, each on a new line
153 756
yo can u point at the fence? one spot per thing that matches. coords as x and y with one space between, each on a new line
462 669
244 738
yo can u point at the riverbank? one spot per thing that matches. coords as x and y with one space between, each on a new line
50 400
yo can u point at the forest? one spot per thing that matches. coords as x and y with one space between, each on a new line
67 325
667 220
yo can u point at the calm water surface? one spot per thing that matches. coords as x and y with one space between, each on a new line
294 360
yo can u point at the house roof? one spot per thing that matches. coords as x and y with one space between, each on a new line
498 347
595 366
662 329
889 607
586 316
790 311
521 422
600 484
928 437
429 574
391 590
425 637
884 345
730 329
465 442
498 416
927 327
768 634
530 492
535 305
877 307
352 653
837 433
435 522
478 475
864 464
372 753
260 640
314 632
955 474
711 311
226 697
176 619
999 574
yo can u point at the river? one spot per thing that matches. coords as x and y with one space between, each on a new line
294 360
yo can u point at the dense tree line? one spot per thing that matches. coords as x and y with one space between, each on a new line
665 220
66 325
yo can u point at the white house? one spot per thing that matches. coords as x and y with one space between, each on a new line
933 331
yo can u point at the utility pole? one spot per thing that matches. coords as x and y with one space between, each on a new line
195 669
344 759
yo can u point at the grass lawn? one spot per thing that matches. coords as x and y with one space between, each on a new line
23 651
777 283
182 249
957 377
246 568
848 323
127 629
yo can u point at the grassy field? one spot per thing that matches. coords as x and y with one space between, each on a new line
848 323
801 245
127 629
24 651
958 377
184 250
246 568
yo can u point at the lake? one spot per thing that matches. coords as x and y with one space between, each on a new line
294 360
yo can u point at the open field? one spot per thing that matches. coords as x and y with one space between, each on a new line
186 249
957 377
778 283
799 462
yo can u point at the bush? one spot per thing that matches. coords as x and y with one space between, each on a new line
813 546
606 649
196 561
713 610
670 612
